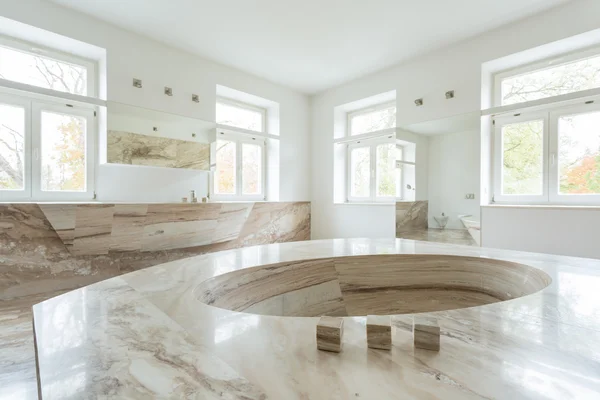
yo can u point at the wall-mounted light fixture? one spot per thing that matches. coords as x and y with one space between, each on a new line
195 98
168 91
419 102
137 83
449 94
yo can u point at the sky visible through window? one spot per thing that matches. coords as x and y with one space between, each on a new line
12 147
552 81
239 117
376 120
31 69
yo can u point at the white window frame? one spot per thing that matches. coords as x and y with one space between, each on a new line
372 145
548 63
90 150
239 104
240 139
33 49
34 105
363 111
519 199
400 163
554 185
551 185
25 193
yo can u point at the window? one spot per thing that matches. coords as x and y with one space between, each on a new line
240 154
46 150
240 167
372 172
549 157
46 147
372 119
48 69
573 74
241 115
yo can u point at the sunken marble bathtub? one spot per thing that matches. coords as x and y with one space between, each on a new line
371 285
530 329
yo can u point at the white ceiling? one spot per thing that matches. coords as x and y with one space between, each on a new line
309 45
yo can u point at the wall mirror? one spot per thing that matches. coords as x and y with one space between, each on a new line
444 199
145 137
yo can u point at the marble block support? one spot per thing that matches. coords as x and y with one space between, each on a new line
329 334
379 332
426 332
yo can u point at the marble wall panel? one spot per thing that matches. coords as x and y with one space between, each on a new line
411 216
136 149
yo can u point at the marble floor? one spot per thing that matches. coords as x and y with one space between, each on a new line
452 236
17 355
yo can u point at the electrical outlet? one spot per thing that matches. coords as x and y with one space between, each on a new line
470 196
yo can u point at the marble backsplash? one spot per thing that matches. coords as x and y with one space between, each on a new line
136 149
46 249
411 216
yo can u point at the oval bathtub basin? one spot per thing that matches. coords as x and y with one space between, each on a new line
371 285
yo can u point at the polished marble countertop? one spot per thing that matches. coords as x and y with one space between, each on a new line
146 335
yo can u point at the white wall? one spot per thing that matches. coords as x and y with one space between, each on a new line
554 230
453 172
457 67
132 56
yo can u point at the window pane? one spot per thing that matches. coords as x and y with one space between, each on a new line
552 81
579 153
360 172
522 158
373 121
63 152
228 114
225 174
251 169
43 72
12 147
386 170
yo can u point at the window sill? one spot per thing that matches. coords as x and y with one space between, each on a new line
545 206
365 204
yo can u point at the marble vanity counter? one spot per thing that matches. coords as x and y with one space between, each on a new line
152 333
47 248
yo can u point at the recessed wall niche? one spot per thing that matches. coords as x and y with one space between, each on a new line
144 137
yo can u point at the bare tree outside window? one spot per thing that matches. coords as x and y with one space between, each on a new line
360 172
12 147
376 120
63 137
553 81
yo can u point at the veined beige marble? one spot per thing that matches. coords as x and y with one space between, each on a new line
136 149
411 216
544 345
426 333
379 332
371 284
330 334
49 248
